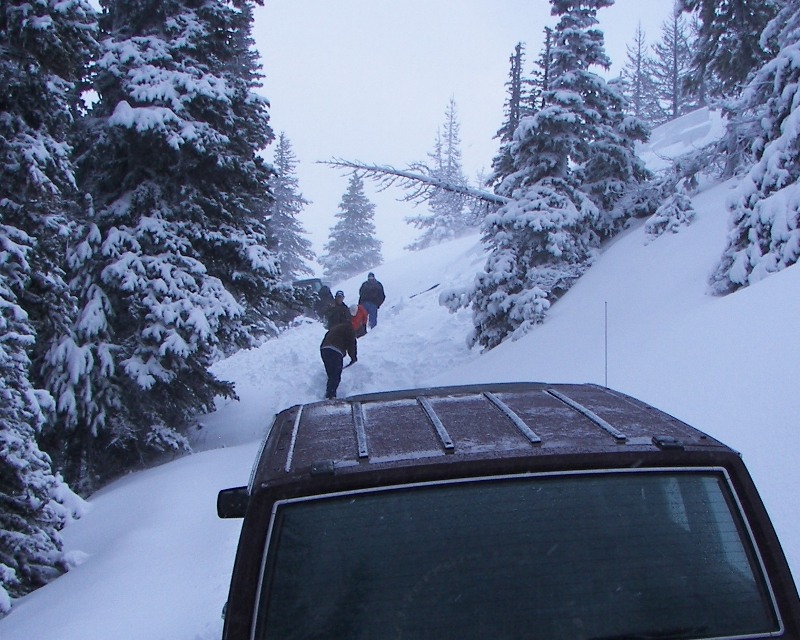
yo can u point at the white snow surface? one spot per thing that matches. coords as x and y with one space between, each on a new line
153 561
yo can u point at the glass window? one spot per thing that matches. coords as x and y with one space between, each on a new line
594 555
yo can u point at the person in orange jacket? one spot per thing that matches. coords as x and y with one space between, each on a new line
359 319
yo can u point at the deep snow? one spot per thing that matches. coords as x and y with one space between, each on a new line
152 559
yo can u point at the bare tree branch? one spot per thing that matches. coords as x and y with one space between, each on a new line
417 180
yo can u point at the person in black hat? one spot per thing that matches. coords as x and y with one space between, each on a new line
337 312
338 341
371 295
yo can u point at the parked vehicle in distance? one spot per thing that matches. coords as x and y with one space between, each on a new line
315 284
521 510
314 300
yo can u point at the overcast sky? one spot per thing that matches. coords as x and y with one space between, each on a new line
370 80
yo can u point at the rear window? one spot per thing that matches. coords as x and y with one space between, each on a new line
645 554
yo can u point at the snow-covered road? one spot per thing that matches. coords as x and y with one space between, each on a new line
413 342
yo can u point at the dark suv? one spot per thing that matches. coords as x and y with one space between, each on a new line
502 511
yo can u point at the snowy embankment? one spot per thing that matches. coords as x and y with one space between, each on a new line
155 560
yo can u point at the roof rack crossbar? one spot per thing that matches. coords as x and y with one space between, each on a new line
443 435
295 429
361 434
514 417
618 435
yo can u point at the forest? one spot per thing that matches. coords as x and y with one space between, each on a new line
144 237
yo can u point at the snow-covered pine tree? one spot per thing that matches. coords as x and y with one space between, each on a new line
513 111
45 48
352 246
540 77
540 243
514 107
577 148
524 97
608 167
638 82
765 210
543 239
675 211
727 47
582 134
30 545
294 250
671 64
447 219
173 268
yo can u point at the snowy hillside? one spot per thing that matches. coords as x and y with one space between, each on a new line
152 559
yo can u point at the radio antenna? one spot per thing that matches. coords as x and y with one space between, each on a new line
606 343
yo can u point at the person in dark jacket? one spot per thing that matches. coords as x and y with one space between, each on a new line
371 295
337 312
338 341
324 301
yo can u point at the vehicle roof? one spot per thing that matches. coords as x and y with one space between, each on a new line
527 421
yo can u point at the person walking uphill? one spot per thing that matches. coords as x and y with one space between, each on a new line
324 301
371 295
360 319
337 312
338 341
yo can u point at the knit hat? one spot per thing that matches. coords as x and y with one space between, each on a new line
339 294
353 308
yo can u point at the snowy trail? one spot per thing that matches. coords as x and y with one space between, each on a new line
412 343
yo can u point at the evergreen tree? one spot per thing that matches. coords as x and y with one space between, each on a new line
540 243
609 168
294 250
525 97
670 68
573 160
448 218
352 246
172 269
582 137
44 50
513 110
638 82
606 165
540 79
514 107
728 46
766 208
30 545
675 211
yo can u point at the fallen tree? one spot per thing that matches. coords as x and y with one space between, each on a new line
417 179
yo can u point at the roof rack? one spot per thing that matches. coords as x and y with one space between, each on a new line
589 414
518 422
468 422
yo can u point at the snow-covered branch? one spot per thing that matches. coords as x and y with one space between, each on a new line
417 180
